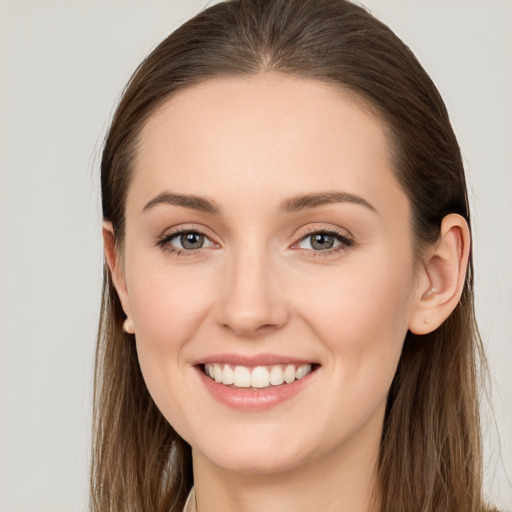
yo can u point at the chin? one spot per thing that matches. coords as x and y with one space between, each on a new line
257 463
257 454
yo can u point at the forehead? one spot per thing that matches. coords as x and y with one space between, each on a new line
262 136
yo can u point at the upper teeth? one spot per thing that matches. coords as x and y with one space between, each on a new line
258 377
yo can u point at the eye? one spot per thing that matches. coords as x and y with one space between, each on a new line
324 241
190 240
185 241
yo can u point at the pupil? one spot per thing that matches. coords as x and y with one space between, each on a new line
322 241
192 240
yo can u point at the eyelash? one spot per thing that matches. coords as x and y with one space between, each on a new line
345 242
164 244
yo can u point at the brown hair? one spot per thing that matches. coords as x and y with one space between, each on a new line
430 453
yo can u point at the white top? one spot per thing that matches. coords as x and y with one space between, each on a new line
190 504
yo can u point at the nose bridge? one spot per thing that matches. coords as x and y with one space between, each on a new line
252 299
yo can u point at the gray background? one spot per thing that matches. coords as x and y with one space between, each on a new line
62 68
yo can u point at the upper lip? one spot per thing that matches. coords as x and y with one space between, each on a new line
252 360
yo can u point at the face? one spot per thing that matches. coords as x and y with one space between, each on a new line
268 270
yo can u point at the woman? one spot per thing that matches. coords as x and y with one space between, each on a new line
287 319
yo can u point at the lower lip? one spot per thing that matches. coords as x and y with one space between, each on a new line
254 399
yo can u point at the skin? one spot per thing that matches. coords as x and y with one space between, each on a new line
258 286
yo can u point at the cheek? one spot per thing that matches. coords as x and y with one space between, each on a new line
167 303
168 307
362 315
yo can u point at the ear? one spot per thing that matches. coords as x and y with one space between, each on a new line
441 280
114 263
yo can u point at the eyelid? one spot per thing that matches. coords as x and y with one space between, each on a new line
332 230
186 228
326 229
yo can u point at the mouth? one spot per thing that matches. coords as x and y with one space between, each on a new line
257 377
258 382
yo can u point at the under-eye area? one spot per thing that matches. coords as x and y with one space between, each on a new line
257 377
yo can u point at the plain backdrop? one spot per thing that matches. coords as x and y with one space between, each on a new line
62 68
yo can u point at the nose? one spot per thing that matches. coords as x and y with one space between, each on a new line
252 301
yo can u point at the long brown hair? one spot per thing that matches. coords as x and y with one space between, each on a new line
430 453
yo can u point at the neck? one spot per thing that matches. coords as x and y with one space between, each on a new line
342 480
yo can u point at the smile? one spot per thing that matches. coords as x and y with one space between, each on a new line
258 377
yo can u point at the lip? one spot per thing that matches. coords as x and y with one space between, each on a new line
251 360
249 399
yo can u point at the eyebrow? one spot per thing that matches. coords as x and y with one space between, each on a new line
290 205
303 202
187 201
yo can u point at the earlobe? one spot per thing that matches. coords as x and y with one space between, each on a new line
443 275
115 266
